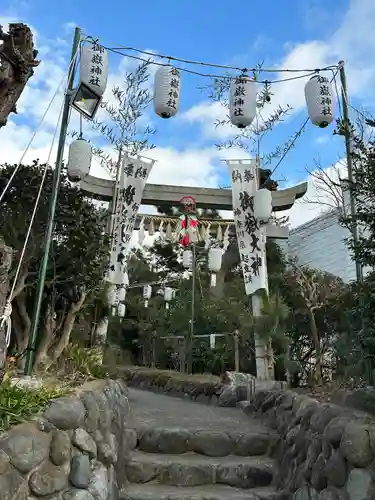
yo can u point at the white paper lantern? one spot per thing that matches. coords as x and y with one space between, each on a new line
262 204
319 101
121 294
168 294
79 160
121 310
167 86
214 259
147 290
187 258
111 295
242 101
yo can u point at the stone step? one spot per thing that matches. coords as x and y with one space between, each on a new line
206 442
213 492
192 469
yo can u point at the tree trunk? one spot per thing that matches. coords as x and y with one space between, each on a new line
41 355
17 66
5 263
316 343
68 327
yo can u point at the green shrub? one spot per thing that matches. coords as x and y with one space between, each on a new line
76 360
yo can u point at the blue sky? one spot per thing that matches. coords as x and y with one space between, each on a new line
289 34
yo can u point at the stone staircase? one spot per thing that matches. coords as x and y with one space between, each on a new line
181 464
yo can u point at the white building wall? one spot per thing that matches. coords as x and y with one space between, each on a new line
320 244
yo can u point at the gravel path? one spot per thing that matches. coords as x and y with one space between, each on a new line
157 410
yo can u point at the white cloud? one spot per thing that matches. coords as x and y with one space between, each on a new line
193 166
348 42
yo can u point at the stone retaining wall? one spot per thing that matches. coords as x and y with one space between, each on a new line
76 449
324 451
193 387
172 384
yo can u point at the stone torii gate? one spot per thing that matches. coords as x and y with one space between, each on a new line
211 198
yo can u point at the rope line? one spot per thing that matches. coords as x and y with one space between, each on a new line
211 65
6 317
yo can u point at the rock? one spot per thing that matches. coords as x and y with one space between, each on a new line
11 481
335 429
98 486
66 413
92 411
60 447
228 397
107 449
252 445
77 495
130 437
359 485
186 475
322 416
306 493
82 440
174 441
26 446
332 494
355 445
105 413
318 478
336 470
243 476
313 452
141 472
113 487
80 471
211 443
49 479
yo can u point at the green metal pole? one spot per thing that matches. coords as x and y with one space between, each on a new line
30 353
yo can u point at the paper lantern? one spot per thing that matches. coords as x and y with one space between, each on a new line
147 290
121 294
79 160
121 310
168 294
242 101
214 259
319 101
111 295
167 85
187 258
262 204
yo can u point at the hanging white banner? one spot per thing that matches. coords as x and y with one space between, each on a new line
251 237
134 175
94 67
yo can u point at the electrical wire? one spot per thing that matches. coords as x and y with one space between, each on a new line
212 65
35 208
210 75
298 133
37 128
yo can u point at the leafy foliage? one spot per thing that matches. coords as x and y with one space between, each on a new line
78 255
18 404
